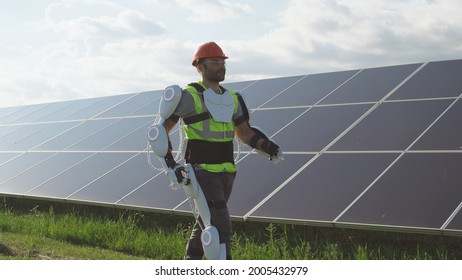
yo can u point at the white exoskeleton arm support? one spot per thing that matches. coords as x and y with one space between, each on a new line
158 136
158 140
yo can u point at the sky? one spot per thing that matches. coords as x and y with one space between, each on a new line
56 50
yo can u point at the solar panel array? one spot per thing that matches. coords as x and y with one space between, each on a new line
376 148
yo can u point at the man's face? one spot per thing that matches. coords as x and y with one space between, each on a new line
214 69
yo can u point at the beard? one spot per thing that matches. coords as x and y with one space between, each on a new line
214 75
220 76
217 76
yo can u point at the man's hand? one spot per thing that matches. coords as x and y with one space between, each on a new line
181 174
178 176
270 148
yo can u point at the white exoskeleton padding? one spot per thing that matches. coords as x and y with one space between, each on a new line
157 134
158 140
262 133
170 98
220 106
210 239
213 249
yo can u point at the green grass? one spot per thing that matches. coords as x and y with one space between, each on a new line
38 230
17 246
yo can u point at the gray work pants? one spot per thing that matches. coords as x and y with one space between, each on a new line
217 189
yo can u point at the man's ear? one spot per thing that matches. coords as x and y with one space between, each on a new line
200 68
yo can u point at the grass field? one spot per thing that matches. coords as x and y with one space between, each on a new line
38 230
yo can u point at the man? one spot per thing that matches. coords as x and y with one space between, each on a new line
212 116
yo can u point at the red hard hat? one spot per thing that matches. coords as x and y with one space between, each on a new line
209 49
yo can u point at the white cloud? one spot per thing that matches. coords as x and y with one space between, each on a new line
92 24
65 9
318 36
127 24
102 48
91 55
213 10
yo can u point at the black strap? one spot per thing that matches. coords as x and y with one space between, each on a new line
198 87
206 115
243 106
201 89
197 118
253 141
201 151
174 118
240 120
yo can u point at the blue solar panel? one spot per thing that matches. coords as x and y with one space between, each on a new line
368 148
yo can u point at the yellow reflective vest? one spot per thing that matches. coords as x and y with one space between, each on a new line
210 130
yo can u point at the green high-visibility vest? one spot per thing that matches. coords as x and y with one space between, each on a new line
211 130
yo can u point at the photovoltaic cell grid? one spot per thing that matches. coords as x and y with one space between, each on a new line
376 148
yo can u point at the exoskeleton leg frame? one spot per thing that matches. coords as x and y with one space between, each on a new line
159 142
213 249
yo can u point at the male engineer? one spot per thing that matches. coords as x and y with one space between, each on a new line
212 115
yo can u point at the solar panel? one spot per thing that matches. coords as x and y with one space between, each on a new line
420 190
376 148
370 85
72 109
446 133
324 188
436 79
19 164
405 121
70 180
22 112
260 92
154 195
114 185
41 133
79 132
310 89
110 134
319 126
52 163
250 189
